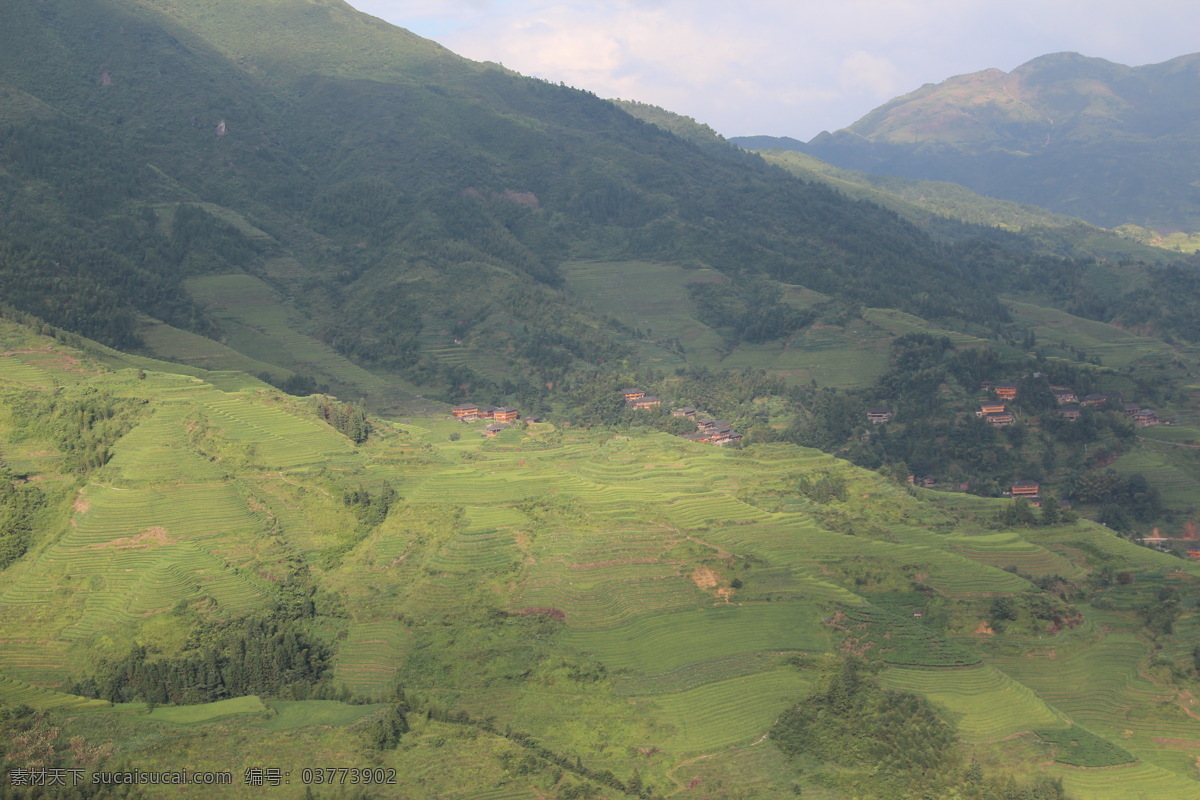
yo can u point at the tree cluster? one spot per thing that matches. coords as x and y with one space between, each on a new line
268 655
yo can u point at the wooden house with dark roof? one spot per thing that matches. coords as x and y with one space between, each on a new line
486 412
645 402
1070 413
1000 418
505 414
465 411
686 411
991 408
1144 418
726 437
879 414
632 394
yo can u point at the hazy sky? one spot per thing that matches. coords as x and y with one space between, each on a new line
786 67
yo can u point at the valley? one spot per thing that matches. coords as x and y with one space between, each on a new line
255 259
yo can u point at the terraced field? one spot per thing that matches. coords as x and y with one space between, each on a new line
630 599
1116 348
15 692
135 552
731 712
281 440
258 325
653 297
15 371
1174 471
1135 782
1002 550
169 342
368 659
986 704
663 642
1120 703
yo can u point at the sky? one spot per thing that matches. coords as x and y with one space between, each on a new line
786 67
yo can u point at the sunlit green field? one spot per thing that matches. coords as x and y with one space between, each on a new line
630 600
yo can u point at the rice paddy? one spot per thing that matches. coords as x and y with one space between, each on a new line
653 298
986 704
659 571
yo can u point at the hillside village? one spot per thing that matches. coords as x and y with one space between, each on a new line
997 413
708 430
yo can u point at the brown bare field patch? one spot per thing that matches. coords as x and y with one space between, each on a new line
1177 744
81 505
705 577
148 538
985 628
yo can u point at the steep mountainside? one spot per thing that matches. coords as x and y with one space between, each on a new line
944 209
400 197
1082 136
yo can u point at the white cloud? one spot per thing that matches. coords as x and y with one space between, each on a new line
877 75
780 66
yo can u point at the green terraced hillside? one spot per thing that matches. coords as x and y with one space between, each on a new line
555 608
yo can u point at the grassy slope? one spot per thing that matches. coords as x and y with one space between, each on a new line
652 297
634 538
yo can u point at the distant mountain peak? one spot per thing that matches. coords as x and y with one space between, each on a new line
1078 134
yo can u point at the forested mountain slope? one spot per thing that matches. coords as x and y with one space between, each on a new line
391 190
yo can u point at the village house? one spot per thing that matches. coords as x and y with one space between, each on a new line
1129 409
686 411
1144 418
1006 391
1027 490
879 414
468 412
633 394
645 402
1070 413
493 429
1000 418
991 408
1063 395
465 411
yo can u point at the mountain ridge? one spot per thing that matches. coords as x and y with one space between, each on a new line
1075 134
